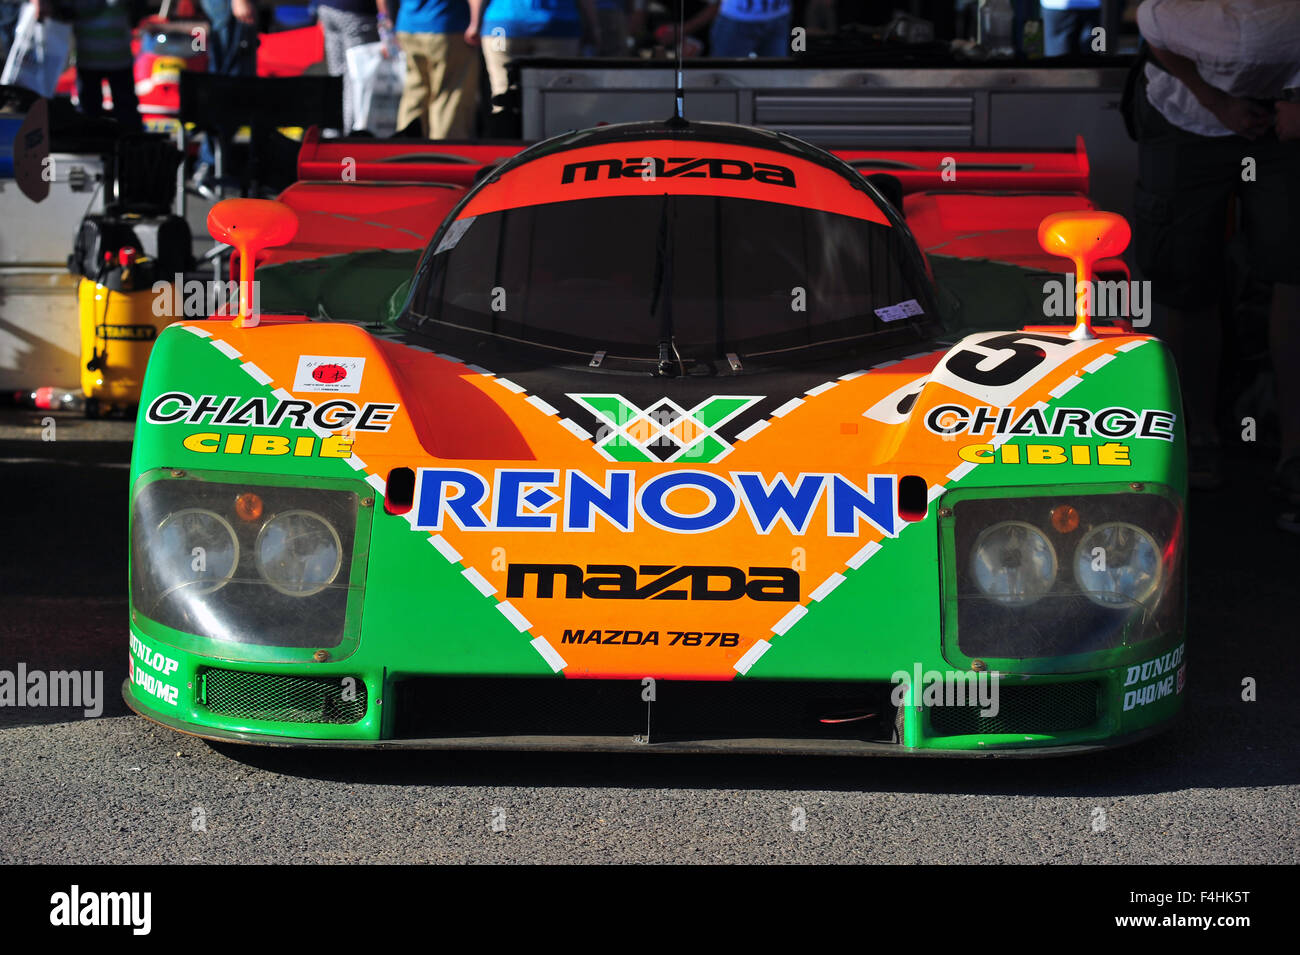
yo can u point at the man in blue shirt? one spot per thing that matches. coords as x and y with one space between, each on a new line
440 40
751 28
741 28
515 28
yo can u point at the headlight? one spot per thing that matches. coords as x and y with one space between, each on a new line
269 572
1117 564
299 553
1013 562
1044 583
198 549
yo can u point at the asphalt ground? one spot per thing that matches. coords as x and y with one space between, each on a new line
1223 786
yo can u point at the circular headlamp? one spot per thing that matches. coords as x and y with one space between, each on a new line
1013 562
1117 564
197 551
299 553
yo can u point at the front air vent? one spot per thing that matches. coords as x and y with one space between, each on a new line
281 698
1037 708
683 710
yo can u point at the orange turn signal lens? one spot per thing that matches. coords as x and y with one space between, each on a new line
1065 518
248 506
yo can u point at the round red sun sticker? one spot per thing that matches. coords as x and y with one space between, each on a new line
329 373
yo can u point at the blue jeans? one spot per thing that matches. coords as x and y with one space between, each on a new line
1069 31
232 46
9 10
232 51
739 38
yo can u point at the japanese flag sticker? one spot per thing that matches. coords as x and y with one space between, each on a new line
333 373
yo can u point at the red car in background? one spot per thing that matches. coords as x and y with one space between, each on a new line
165 45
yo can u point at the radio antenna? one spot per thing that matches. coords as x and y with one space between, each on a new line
681 41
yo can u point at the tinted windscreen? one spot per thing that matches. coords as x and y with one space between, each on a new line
720 275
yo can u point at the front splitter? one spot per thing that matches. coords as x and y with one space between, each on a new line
627 744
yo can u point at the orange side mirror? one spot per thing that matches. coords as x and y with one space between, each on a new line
1084 237
251 225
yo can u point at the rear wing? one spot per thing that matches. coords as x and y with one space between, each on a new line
458 163
977 170
397 160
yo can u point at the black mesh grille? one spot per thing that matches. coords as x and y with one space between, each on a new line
441 707
1042 708
283 699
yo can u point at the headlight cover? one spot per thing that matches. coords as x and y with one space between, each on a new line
1118 564
1086 618
277 586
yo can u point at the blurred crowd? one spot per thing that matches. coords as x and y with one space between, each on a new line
447 45
444 41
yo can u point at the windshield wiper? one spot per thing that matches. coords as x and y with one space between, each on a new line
670 362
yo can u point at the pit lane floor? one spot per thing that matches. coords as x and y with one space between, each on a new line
1223 786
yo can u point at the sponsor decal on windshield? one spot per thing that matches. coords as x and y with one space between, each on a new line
895 313
455 232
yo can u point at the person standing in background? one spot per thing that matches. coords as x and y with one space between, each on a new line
1222 88
101 31
514 28
742 28
696 17
231 36
9 10
619 21
750 28
440 40
346 23
232 51
1068 25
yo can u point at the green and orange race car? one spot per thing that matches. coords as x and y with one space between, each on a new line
680 437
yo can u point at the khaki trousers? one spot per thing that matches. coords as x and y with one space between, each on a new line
500 50
441 88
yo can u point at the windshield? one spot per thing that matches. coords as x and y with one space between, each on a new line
713 275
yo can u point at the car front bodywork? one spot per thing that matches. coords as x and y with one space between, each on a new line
344 534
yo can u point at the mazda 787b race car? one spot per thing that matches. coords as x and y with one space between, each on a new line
677 436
